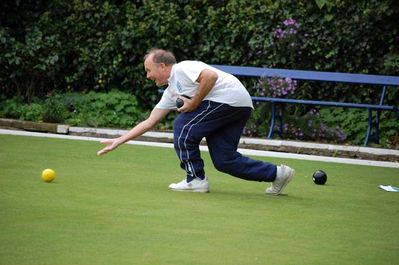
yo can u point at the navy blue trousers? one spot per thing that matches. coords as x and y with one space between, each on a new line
222 126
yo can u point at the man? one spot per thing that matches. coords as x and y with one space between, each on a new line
217 107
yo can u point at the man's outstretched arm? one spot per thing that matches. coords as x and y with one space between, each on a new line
155 117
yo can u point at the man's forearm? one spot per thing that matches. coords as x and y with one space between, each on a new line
155 117
137 131
207 80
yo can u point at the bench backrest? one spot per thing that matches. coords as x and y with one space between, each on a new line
249 71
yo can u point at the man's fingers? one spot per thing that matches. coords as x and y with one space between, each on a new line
106 149
101 152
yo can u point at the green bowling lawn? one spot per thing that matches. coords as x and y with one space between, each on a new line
117 209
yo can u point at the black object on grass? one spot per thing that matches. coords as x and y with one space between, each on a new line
319 177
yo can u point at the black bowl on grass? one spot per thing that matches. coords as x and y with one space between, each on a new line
319 177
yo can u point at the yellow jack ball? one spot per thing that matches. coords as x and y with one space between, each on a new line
48 175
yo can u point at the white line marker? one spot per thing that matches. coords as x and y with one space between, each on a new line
205 148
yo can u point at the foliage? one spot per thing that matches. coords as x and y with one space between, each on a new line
33 111
287 39
54 109
307 127
95 45
112 109
354 123
276 87
55 47
257 126
11 108
311 127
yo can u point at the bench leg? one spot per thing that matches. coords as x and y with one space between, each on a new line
377 128
272 121
369 128
280 120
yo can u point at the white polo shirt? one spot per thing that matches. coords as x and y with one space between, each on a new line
182 81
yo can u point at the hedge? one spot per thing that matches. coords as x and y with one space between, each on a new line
94 45
59 46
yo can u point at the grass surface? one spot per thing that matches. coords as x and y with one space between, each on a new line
116 209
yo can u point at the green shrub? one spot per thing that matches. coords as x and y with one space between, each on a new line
78 46
114 109
96 45
32 112
11 108
354 123
54 110
307 127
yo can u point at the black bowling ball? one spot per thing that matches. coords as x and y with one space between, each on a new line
319 177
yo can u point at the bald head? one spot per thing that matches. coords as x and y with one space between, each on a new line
161 56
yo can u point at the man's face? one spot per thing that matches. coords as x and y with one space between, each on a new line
157 72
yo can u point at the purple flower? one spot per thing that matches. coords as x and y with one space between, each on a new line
276 86
290 28
289 21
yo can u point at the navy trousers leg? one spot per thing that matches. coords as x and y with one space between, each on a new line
222 126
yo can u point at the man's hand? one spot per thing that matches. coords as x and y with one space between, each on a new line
111 144
188 106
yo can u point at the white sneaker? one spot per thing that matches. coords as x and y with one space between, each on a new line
196 185
282 179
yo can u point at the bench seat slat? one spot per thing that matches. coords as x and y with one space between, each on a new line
249 71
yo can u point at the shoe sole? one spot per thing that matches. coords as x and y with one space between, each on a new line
196 190
290 177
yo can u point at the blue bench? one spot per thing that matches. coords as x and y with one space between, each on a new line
381 81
